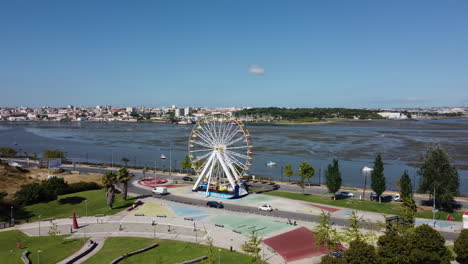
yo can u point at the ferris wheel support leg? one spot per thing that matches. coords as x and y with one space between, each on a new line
233 170
226 170
209 179
203 173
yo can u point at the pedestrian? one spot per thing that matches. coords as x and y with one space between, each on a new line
152 222
71 229
120 227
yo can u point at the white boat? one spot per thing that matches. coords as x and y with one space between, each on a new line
163 156
271 164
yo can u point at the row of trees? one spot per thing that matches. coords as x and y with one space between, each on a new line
300 113
402 243
110 179
438 177
47 154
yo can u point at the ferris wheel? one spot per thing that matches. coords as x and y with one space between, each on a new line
221 152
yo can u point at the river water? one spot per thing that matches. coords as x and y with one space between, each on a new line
401 144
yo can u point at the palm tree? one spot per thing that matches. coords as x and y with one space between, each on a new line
123 177
108 180
125 160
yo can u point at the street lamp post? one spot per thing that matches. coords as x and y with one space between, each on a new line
11 213
39 222
38 258
219 255
86 202
366 170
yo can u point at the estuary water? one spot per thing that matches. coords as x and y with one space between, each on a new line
354 143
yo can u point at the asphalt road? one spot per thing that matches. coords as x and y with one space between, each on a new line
235 207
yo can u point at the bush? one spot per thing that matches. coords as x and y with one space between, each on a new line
54 186
332 260
7 152
427 246
461 247
30 194
360 252
82 186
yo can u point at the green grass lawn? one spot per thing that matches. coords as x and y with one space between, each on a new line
65 205
371 206
53 249
168 251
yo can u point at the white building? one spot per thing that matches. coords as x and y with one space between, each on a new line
187 111
179 112
392 115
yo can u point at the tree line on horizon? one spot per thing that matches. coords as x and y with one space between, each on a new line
304 113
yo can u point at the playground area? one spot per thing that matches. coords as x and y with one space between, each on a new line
246 225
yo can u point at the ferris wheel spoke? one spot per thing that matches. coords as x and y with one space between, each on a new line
204 129
239 147
227 131
231 136
201 157
237 154
235 140
201 150
200 143
235 161
205 138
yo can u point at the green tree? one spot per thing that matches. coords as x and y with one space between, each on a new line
325 234
351 232
55 186
360 252
108 180
29 194
54 230
123 177
288 171
406 188
439 175
186 163
7 152
125 160
407 217
378 183
426 245
333 178
306 171
392 248
252 247
212 259
332 260
461 247
53 154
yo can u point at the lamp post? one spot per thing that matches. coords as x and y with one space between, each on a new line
38 258
39 222
11 213
86 202
366 170
219 255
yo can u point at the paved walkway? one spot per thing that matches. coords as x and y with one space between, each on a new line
100 243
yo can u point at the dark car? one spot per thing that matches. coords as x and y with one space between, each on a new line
214 204
187 178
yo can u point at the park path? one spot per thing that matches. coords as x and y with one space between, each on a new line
99 239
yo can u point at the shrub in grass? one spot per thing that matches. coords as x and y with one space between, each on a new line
461 247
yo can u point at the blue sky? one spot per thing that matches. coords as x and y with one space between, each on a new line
234 53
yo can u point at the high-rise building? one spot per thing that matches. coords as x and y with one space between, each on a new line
179 112
187 111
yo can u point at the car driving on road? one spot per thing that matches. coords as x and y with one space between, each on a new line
186 178
346 194
214 204
265 207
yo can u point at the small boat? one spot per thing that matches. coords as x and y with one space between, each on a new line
163 156
271 164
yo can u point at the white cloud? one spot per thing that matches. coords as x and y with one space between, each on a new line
257 70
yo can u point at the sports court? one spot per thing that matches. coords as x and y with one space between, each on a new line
246 225
153 209
187 211
258 199
296 244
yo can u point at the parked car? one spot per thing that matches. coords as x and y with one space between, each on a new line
214 204
374 197
346 194
396 197
265 207
14 164
160 191
186 178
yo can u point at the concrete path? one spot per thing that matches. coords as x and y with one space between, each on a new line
100 243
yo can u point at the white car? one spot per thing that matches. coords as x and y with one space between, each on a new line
397 197
14 164
346 194
265 207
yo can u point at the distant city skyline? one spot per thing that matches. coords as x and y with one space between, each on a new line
354 54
